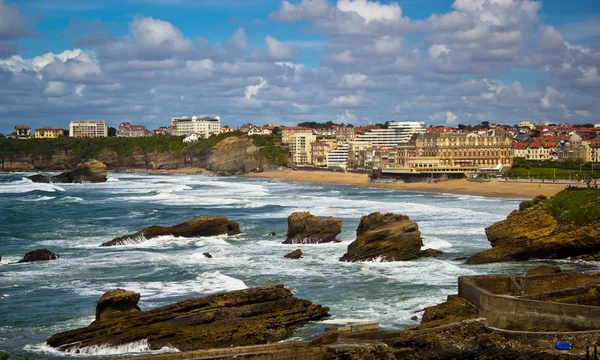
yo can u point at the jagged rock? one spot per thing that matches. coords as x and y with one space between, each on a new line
202 226
272 233
390 237
116 302
208 255
430 253
414 318
244 317
39 178
454 309
566 226
39 255
304 228
543 270
235 156
296 254
92 171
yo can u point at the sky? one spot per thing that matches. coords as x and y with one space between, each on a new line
443 62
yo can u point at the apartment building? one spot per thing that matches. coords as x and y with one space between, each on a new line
203 126
300 148
337 159
448 152
128 130
88 129
320 149
398 132
288 131
48 133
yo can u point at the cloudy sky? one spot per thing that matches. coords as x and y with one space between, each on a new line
273 61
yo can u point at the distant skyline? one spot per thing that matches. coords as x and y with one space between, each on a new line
443 62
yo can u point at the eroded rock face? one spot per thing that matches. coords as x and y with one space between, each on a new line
305 228
91 171
565 226
389 237
296 254
202 226
39 178
116 302
39 255
543 270
243 317
234 156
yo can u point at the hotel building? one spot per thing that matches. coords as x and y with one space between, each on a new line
48 133
300 148
288 131
204 126
320 149
88 129
338 158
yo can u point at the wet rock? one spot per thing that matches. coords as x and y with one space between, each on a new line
91 171
389 237
208 255
296 254
258 315
414 318
453 309
202 226
39 255
304 228
543 270
430 253
272 233
39 178
116 302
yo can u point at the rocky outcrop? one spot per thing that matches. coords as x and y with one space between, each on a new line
91 171
39 255
234 156
243 317
452 310
202 226
39 178
115 303
296 254
389 237
305 228
543 270
566 226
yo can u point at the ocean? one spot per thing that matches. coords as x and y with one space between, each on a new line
40 299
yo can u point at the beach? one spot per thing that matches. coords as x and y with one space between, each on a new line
499 188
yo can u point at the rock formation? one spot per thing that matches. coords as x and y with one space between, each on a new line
296 254
543 270
243 317
39 178
202 226
39 255
115 303
234 156
92 171
566 226
304 228
389 237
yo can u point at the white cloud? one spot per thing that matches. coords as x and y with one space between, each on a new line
349 100
450 118
278 50
239 39
252 90
55 89
371 10
347 117
79 89
551 39
438 49
547 99
306 9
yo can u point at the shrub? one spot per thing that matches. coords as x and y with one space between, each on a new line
526 204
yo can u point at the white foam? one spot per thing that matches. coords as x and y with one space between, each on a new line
25 185
136 347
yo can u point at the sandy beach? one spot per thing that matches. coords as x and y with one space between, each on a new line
492 189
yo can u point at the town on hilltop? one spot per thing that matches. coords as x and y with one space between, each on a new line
407 149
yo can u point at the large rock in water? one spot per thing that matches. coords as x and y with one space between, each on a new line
91 171
39 178
39 255
390 237
304 228
116 302
202 226
567 225
244 317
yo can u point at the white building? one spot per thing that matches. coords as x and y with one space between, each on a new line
301 149
398 132
88 129
191 138
204 126
338 158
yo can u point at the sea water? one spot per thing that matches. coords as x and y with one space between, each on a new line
40 299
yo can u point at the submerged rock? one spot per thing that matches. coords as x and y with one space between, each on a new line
116 302
91 171
39 255
389 237
202 226
244 317
296 254
39 178
305 228
568 225
208 255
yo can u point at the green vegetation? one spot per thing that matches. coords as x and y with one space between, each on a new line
538 200
578 207
548 170
318 125
207 144
4 356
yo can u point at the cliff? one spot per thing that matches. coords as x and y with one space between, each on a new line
567 225
231 153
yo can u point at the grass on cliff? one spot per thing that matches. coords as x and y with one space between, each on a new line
578 207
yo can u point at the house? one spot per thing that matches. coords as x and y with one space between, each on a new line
23 131
192 138
48 133
128 130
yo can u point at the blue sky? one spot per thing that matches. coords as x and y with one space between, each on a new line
268 61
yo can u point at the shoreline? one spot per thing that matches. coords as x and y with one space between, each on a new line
499 189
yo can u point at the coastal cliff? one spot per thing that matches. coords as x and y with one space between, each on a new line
568 225
232 153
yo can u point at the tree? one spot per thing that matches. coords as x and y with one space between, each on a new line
112 131
485 124
276 131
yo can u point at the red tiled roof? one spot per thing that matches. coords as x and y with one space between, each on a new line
49 129
22 127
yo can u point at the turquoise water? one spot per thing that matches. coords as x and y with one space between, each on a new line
40 299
